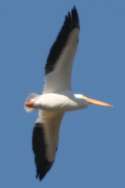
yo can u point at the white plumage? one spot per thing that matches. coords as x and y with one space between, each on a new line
57 97
59 80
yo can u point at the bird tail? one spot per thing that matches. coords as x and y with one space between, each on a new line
30 97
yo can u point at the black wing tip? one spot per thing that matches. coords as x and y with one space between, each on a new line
42 172
39 149
75 15
72 19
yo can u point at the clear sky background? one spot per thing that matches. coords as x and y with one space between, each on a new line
91 151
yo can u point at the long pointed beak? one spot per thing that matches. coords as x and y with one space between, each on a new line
97 102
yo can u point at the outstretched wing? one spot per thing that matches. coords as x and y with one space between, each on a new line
59 63
45 140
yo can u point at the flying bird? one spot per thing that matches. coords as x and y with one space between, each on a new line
57 96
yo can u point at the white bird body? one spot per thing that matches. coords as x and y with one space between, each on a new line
65 101
57 96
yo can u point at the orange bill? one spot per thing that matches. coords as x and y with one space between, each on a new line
97 102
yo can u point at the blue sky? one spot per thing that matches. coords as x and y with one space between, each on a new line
92 143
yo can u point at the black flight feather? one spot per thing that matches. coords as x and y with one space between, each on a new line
70 23
39 149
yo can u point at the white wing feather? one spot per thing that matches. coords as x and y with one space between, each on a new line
51 123
60 78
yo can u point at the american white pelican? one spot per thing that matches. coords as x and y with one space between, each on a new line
57 96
